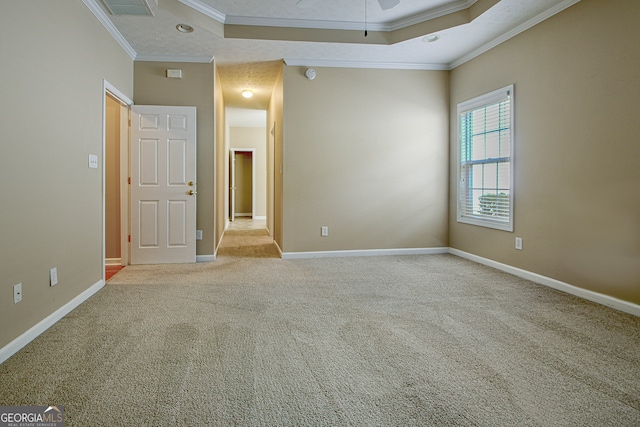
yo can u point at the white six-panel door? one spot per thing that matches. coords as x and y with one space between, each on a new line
163 184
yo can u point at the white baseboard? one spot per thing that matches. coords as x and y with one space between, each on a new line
260 217
113 261
14 346
596 297
366 252
205 258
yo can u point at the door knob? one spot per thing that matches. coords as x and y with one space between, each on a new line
190 183
191 192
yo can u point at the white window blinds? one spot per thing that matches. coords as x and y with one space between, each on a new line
485 128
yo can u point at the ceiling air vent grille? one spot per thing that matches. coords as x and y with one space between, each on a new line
128 7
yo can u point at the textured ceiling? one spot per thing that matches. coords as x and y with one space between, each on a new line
249 39
256 76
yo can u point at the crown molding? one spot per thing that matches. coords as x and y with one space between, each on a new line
108 25
430 14
344 25
514 32
310 24
205 9
296 62
203 59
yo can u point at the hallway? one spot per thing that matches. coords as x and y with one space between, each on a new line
247 238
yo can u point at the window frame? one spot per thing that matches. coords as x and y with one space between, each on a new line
464 107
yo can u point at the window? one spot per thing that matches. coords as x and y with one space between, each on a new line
485 175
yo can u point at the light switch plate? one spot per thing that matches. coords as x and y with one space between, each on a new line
93 161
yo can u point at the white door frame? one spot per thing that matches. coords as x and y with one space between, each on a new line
111 90
232 154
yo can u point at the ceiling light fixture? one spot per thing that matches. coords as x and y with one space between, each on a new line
430 38
184 28
247 93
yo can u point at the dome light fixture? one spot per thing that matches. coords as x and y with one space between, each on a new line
247 93
430 38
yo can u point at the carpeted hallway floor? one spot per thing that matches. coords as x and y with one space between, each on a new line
430 340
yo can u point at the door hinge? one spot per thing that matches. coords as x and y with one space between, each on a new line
129 180
129 238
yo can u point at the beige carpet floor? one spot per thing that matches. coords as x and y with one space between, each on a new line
254 340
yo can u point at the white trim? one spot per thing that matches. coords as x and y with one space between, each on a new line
108 25
113 261
205 258
299 62
315 24
14 346
596 297
310 24
205 9
116 93
514 32
260 217
431 14
203 59
365 252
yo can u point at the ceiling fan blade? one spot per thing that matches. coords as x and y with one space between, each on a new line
305 3
388 4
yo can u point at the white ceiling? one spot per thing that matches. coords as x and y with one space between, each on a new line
241 34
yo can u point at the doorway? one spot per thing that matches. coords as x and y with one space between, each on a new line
242 194
115 167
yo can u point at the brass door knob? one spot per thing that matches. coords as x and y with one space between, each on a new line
191 192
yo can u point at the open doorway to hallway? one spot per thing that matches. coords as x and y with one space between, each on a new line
249 160
115 164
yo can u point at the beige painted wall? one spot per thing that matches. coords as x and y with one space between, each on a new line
195 88
577 152
254 138
51 112
275 116
366 154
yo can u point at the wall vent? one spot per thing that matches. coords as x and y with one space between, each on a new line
128 7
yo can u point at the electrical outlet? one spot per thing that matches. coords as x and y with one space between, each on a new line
324 231
17 293
53 276
198 234
519 243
